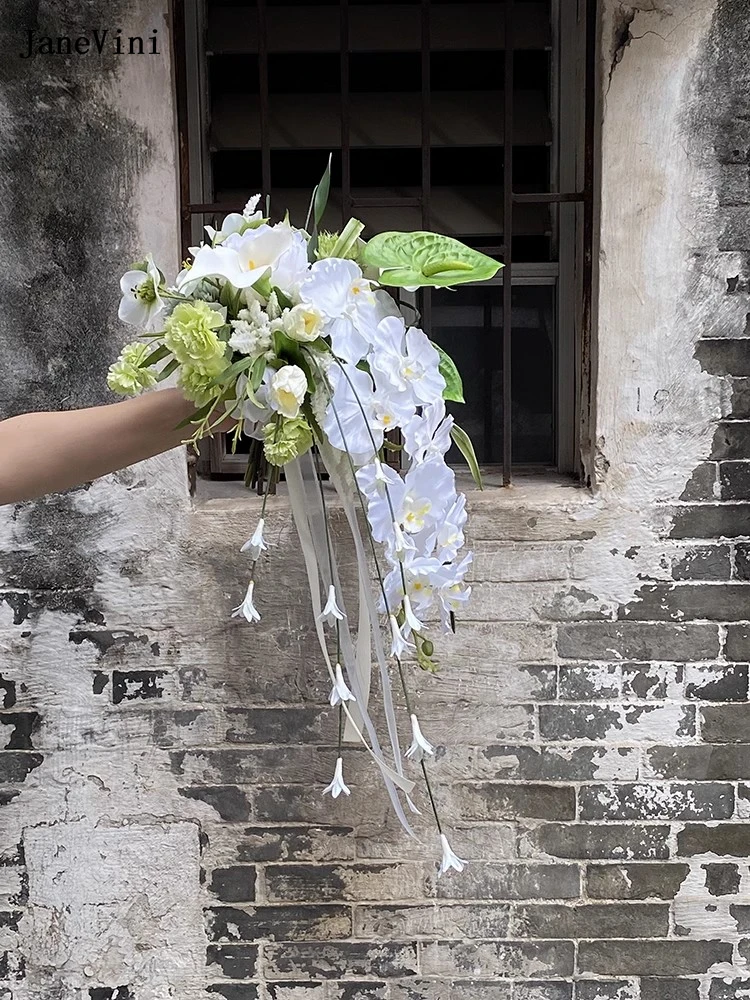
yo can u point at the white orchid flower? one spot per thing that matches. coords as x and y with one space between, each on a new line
141 305
337 786
242 259
255 544
449 537
331 612
430 490
340 691
404 361
339 291
350 421
452 592
420 747
286 390
449 860
247 609
428 433
383 489
399 645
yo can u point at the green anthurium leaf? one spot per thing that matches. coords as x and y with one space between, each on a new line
463 442
454 387
416 260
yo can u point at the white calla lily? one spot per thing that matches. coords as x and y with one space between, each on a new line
242 259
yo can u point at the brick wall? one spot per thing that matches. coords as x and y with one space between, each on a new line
162 828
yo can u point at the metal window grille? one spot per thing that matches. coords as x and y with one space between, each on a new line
247 97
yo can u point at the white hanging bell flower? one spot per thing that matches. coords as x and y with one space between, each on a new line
401 545
450 860
420 747
411 621
340 692
399 645
255 545
337 786
331 612
247 609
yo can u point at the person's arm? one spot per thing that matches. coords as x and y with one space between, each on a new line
48 452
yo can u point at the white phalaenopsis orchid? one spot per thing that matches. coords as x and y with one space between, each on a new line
331 612
340 692
350 422
428 433
339 291
337 786
141 304
255 544
405 362
449 860
247 609
241 259
419 747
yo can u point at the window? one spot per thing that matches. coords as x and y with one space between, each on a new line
471 118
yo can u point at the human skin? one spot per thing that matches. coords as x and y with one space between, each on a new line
44 453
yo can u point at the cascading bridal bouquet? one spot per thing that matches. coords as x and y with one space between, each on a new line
292 333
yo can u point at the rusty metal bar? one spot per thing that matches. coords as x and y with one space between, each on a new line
508 240
265 138
346 160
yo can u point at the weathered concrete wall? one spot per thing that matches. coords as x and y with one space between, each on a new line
163 828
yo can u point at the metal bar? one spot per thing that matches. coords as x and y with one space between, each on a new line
489 370
426 116
508 239
179 42
583 362
386 202
551 198
346 161
265 140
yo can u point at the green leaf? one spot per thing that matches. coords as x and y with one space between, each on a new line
454 387
284 301
416 260
463 442
154 356
203 411
256 375
318 207
230 374
168 369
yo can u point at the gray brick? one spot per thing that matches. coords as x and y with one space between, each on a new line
504 960
734 480
599 989
237 961
726 724
293 804
732 989
720 602
591 920
740 399
283 923
738 642
296 843
713 763
701 484
579 683
638 641
742 561
454 989
557 990
278 725
229 802
326 960
637 881
670 989
726 520
235 884
656 801
407 923
732 442
561 763
651 958
741 913
652 681
290 990
582 840
724 839
358 991
374 882
495 801
702 562
494 880
16 766
617 723
722 879
234 991
716 681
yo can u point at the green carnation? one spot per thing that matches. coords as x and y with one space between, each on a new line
286 440
197 387
125 376
190 334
